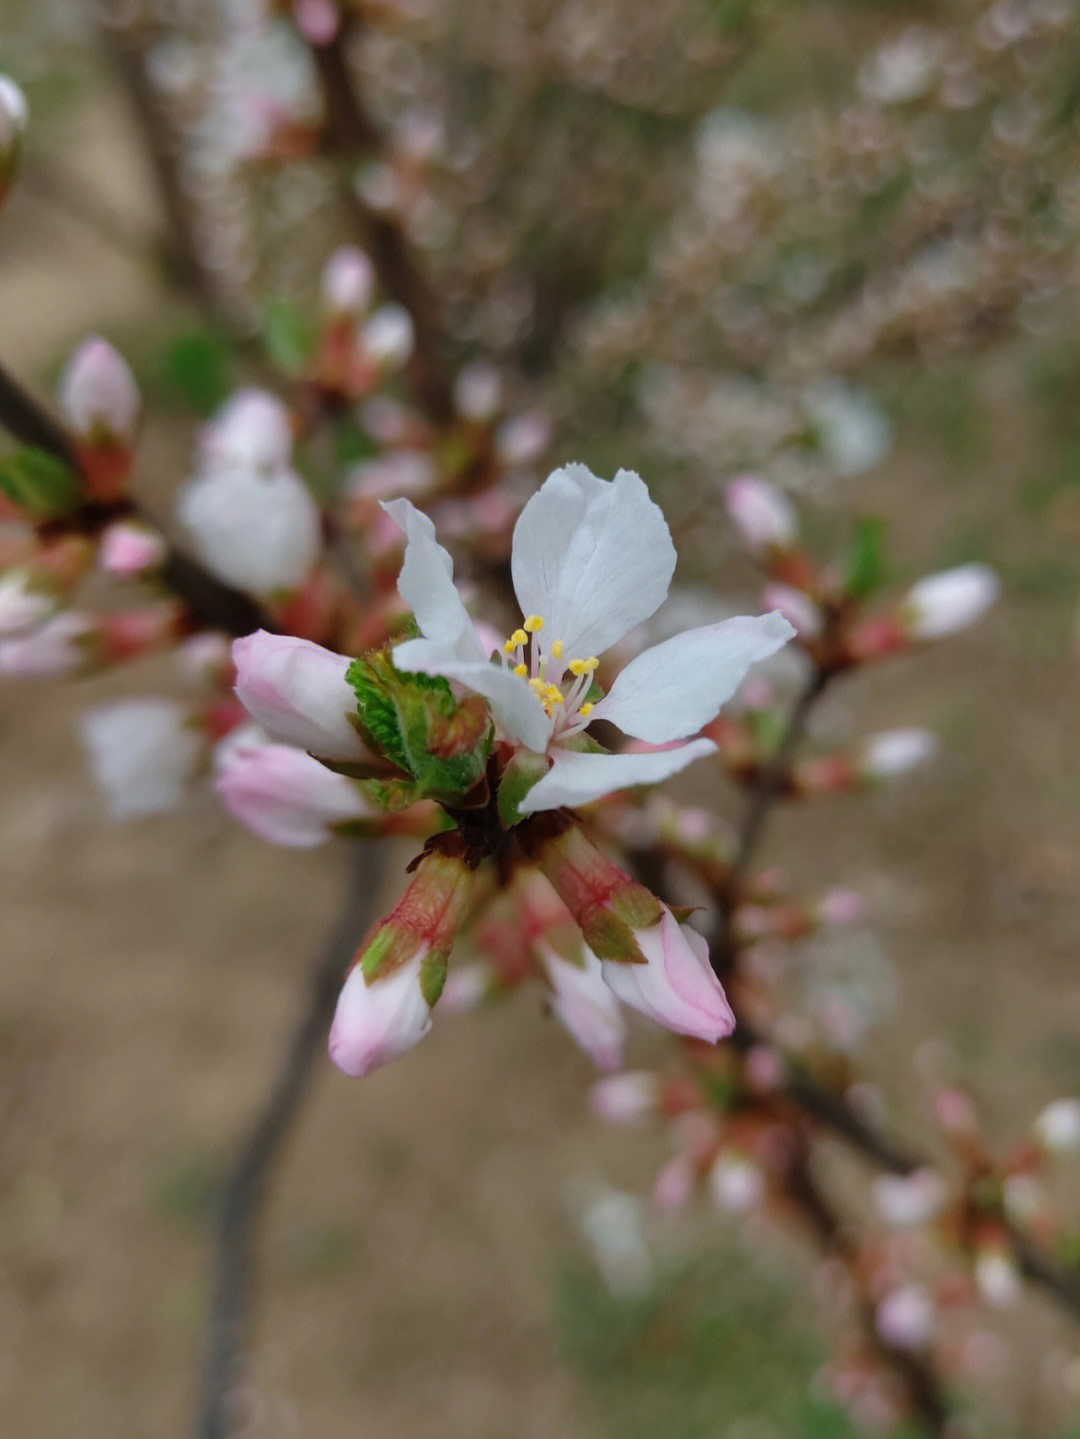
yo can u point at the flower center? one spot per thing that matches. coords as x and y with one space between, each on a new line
544 666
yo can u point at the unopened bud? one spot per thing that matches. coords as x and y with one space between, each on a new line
129 549
348 283
253 430
909 1200
997 1277
62 645
763 514
478 391
143 753
1057 1128
949 601
399 971
797 608
285 796
737 1183
626 1098
99 397
905 1317
896 752
389 336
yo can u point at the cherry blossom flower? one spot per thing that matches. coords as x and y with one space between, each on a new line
591 559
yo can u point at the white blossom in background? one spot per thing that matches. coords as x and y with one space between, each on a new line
60 646
905 1317
625 1098
909 1200
14 117
258 531
389 336
943 603
737 1184
252 430
478 391
23 605
1057 1128
896 752
143 754
853 431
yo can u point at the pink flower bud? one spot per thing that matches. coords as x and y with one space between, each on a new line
905 1317
950 601
737 1183
143 753
389 337
286 796
299 694
625 1098
478 391
129 549
839 908
398 974
797 608
909 1200
896 752
763 514
996 1277
523 438
1057 1129
348 283
252 431
650 961
99 397
317 20
584 1004
23 605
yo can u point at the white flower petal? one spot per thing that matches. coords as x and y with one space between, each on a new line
593 558
426 584
518 712
576 778
671 690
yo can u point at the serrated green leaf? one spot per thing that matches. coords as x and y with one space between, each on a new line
866 562
39 483
416 722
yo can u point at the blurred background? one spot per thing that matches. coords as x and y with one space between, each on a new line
835 243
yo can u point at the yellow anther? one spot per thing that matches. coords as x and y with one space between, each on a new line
537 686
534 623
584 667
555 695
519 637
591 664
556 649
577 667
522 669
586 709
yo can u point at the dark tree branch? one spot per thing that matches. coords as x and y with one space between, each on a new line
249 1185
350 133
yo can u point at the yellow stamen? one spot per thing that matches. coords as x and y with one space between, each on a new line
586 709
555 695
522 669
556 649
537 686
519 637
534 623
584 667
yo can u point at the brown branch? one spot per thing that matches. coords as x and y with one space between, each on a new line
912 1369
349 134
260 1155
212 603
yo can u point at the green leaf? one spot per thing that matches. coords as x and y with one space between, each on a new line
416 722
866 562
39 483
288 336
196 368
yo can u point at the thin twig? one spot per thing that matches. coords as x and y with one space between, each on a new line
249 1185
350 133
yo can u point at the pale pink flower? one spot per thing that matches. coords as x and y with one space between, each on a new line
98 394
1057 1128
252 431
348 283
60 646
910 1200
737 1183
763 514
378 1020
905 1317
129 549
298 693
287 797
585 1004
676 985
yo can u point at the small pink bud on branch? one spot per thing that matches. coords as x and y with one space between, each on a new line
398 973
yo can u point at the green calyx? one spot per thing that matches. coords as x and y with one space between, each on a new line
439 743
518 778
